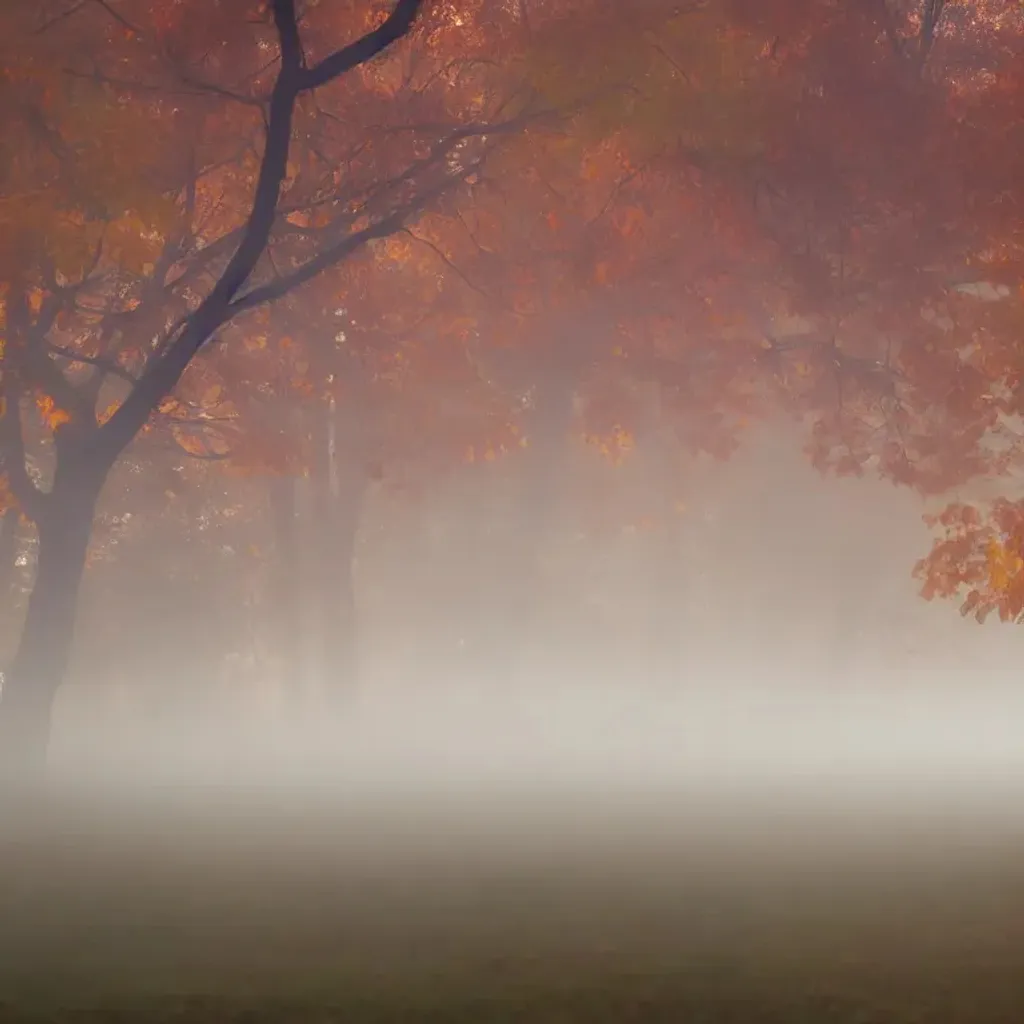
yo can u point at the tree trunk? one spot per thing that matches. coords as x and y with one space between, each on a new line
39 666
285 612
667 585
514 605
339 485
341 639
8 551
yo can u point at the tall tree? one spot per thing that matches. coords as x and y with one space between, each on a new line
163 308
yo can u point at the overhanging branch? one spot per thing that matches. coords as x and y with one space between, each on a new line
105 365
164 372
397 25
334 254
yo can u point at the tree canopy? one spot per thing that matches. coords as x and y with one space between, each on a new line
398 241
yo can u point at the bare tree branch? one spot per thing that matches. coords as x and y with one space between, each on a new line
334 254
426 243
60 16
118 17
189 87
105 365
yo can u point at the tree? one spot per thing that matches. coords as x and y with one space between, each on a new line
801 186
158 303
715 210
939 409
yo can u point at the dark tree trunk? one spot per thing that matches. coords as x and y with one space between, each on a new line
39 666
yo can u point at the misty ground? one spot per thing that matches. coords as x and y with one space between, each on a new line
192 907
594 879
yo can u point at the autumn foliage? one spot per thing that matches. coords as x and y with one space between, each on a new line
486 228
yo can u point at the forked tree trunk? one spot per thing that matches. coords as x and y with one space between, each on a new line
65 514
38 667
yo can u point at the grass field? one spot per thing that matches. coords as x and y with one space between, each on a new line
236 907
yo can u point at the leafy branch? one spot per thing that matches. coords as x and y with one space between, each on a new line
162 374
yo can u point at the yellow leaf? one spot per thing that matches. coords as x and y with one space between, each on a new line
1001 567
108 412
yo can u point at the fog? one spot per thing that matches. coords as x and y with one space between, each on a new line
565 833
775 638
943 731
736 792
366 439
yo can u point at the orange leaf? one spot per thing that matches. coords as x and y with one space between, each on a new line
53 416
